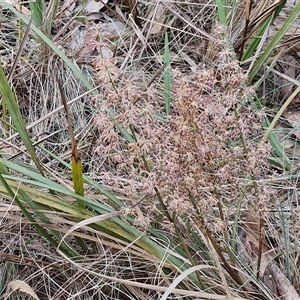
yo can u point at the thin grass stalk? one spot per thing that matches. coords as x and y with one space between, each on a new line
5 119
284 162
287 242
270 67
19 53
47 41
167 75
67 61
247 20
231 272
229 250
187 251
75 158
217 248
20 25
215 245
279 114
75 161
235 229
260 246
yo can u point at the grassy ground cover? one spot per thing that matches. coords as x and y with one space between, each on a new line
149 150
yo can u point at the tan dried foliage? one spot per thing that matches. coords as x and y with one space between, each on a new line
17 286
196 160
261 258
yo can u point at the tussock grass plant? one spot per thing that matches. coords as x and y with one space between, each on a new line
187 192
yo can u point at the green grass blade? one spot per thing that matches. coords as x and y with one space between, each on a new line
119 126
15 114
283 161
75 158
115 227
50 22
254 43
66 60
49 184
50 44
279 113
37 8
22 199
275 41
221 12
77 174
13 195
88 180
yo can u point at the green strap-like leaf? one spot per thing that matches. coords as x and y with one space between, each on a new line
15 114
221 12
75 158
275 41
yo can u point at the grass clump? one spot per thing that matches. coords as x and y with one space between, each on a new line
181 200
203 150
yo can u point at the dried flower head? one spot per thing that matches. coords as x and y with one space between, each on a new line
201 155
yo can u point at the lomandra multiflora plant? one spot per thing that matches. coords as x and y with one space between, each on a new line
198 163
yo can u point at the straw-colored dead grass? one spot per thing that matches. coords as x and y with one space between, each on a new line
127 62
